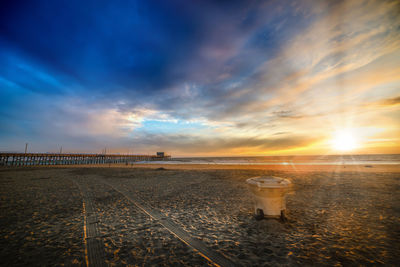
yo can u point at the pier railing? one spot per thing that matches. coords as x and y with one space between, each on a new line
34 159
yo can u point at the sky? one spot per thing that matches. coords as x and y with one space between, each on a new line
200 78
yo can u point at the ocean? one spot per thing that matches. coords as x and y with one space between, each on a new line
370 159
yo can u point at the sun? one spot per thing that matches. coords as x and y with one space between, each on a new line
344 140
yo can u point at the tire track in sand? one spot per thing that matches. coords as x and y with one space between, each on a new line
94 246
210 255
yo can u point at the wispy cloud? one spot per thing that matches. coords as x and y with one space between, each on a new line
391 101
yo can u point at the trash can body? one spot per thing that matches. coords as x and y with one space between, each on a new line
269 195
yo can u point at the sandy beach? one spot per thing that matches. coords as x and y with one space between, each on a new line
337 215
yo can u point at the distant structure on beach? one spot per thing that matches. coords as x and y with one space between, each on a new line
31 159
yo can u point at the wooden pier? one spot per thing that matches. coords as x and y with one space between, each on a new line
35 159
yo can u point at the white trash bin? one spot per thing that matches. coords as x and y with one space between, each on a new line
269 194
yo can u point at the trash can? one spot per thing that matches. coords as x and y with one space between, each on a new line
269 194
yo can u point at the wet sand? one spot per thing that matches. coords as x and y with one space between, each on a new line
278 167
336 215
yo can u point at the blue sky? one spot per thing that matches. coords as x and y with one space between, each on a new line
199 77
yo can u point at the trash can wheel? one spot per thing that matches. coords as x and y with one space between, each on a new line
283 217
259 214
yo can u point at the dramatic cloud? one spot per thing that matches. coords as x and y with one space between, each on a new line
391 101
199 77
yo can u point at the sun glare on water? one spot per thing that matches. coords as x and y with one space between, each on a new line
344 141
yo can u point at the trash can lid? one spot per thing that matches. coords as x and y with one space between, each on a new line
268 182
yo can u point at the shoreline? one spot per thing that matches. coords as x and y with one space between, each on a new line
278 167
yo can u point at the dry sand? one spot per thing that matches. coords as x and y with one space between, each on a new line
337 215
